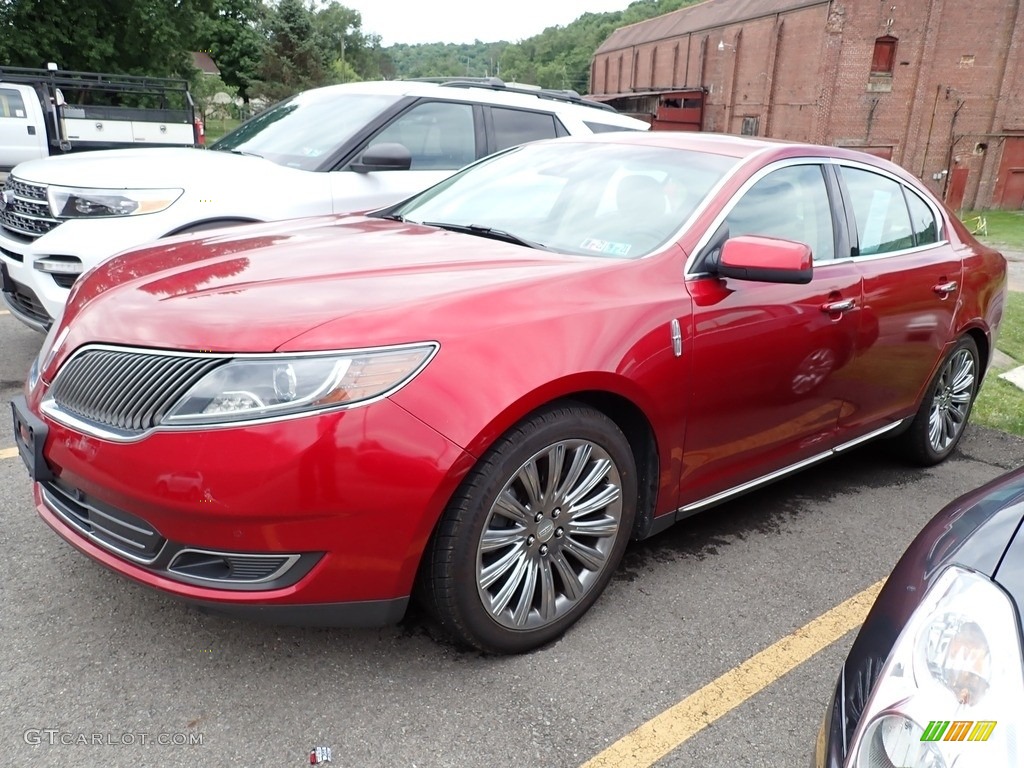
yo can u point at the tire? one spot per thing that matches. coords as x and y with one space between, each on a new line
940 421
516 559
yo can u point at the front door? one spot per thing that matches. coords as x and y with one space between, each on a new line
766 357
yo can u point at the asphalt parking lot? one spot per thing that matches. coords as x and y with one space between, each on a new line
117 670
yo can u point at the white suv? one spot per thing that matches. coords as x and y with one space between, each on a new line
330 150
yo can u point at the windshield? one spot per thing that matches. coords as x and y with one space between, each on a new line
306 129
611 200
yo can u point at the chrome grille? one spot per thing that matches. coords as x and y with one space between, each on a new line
27 215
126 390
111 528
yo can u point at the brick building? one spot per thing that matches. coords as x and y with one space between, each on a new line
937 86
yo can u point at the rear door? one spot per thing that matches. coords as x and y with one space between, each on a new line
22 137
767 357
912 283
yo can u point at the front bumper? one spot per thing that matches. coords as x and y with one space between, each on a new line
352 496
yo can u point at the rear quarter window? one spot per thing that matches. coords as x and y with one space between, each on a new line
606 127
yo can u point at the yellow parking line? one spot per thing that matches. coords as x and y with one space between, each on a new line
8 453
663 733
5 312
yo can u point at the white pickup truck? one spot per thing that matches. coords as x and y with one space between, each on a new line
47 112
329 150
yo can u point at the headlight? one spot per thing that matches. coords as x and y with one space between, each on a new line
951 693
78 203
51 345
256 388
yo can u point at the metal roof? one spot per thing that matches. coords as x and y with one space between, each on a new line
694 18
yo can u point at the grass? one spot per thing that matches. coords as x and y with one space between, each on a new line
1000 404
1004 228
217 128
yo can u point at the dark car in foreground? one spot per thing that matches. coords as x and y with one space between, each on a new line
935 676
487 390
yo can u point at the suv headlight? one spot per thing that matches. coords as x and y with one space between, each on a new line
255 388
950 694
80 203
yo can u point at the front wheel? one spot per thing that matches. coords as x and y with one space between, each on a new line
535 532
942 417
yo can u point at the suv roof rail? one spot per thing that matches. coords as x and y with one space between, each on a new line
497 84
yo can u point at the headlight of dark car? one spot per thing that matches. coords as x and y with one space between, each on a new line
949 695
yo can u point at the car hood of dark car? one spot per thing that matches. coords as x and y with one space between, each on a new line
253 289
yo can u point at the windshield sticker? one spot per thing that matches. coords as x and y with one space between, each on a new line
606 246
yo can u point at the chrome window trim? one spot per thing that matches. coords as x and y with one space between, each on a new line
779 473
811 160
727 208
926 199
49 407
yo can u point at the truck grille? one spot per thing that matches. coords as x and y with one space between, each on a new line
125 390
26 215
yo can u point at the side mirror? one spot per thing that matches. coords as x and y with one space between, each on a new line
765 259
384 157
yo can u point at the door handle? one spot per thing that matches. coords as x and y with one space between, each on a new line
838 306
944 289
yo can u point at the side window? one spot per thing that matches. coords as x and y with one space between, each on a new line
790 203
926 229
514 126
439 135
605 127
883 223
11 104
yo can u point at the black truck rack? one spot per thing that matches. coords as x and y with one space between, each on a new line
175 104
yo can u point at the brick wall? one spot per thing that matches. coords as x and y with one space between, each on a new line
956 89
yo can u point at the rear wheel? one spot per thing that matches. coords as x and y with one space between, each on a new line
942 417
534 534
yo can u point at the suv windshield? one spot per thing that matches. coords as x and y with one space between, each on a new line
306 129
591 199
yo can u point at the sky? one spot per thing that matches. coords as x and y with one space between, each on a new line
462 21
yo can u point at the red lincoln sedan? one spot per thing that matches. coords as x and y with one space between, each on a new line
481 394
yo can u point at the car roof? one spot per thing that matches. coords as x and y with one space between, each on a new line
741 147
482 93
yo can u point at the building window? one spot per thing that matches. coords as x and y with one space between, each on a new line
749 126
884 57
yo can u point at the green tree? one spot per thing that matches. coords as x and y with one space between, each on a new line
233 37
558 57
149 37
293 58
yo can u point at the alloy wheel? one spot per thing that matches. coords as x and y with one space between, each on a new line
951 400
549 534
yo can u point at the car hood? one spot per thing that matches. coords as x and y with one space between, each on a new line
252 289
144 168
